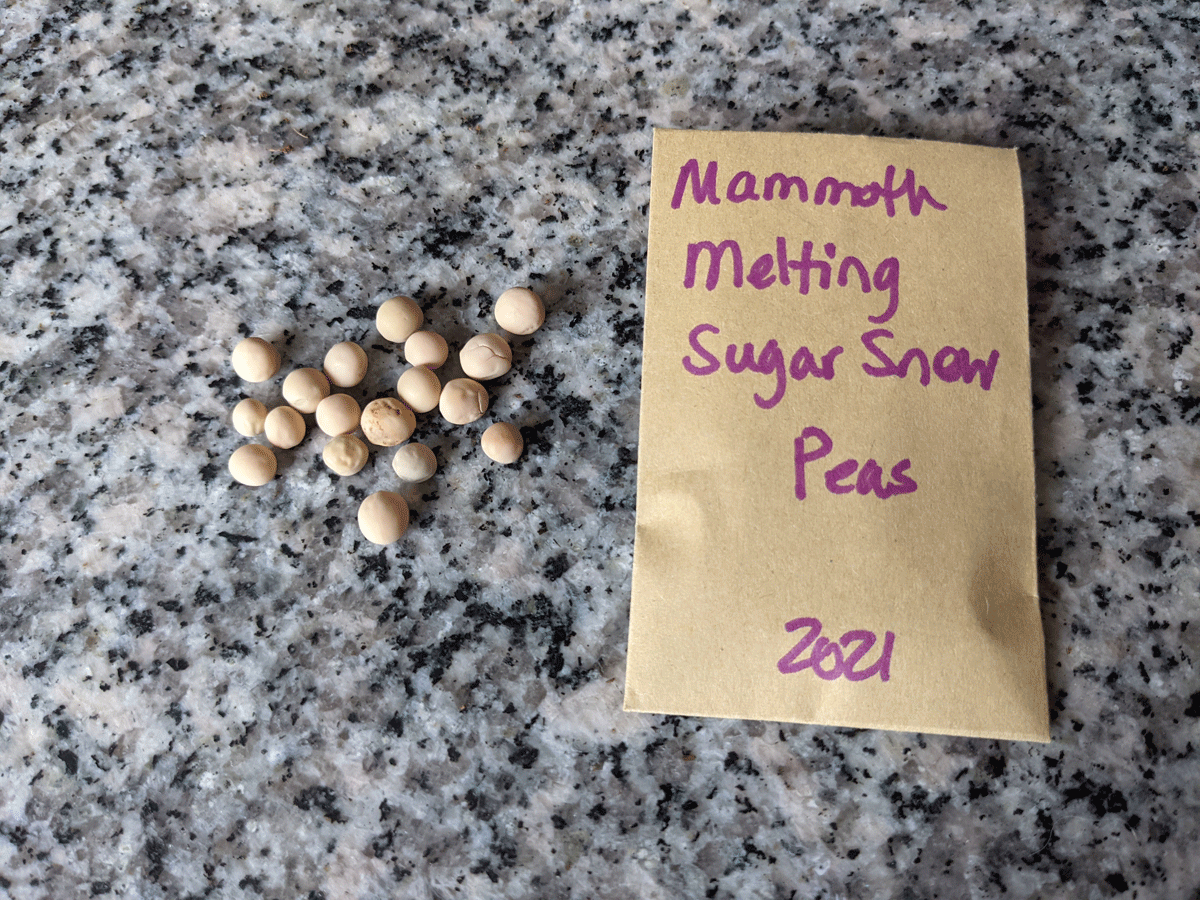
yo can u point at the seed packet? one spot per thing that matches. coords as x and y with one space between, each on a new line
835 511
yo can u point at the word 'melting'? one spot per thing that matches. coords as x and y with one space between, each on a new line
778 266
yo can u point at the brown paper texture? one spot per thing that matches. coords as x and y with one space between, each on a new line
837 536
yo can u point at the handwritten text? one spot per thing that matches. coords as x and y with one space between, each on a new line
868 479
828 659
769 268
743 186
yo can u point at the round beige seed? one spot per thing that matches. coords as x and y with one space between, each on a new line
338 414
485 356
383 517
248 417
426 348
387 422
397 318
414 462
420 388
502 442
305 388
255 360
463 401
345 455
519 311
252 465
345 364
284 427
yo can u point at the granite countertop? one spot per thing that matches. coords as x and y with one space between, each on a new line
211 690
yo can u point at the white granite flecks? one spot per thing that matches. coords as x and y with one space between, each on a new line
213 691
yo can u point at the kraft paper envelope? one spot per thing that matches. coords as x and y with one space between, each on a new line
835 512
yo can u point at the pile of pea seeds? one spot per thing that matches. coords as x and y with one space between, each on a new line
388 421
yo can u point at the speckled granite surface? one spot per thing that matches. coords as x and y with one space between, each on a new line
212 691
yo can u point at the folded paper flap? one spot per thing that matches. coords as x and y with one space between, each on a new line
835 487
